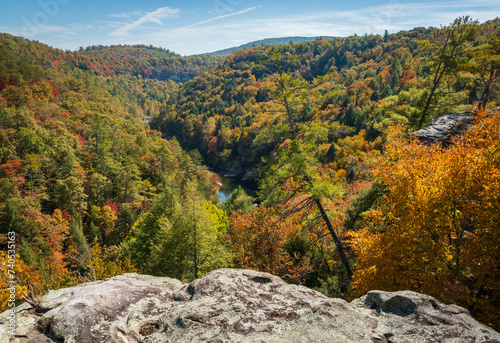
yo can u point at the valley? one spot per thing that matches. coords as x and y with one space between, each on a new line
295 159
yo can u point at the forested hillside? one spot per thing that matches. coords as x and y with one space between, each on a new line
79 165
311 122
103 154
147 61
354 84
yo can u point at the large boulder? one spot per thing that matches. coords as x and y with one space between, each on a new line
233 305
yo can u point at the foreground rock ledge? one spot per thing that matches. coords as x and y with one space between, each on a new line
233 305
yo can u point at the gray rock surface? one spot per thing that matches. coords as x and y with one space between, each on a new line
234 305
445 127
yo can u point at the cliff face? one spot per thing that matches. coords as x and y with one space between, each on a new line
231 305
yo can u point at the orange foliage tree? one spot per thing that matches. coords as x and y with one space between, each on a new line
259 238
438 228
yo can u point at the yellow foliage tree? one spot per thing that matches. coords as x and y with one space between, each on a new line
438 226
104 262
104 217
16 277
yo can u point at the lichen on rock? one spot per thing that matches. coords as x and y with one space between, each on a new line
235 305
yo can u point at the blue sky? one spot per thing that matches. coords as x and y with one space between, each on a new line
191 27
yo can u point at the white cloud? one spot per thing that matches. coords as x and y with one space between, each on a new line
150 17
81 27
397 15
127 15
225 29
393 16
226 16
32 31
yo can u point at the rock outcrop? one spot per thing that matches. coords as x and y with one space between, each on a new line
233 305
445 127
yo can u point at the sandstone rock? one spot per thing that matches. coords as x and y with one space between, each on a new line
233 305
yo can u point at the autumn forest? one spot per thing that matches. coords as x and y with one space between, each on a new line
111 158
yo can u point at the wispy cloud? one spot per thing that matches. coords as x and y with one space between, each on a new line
235 25
398 15
225 16
36 30
212 34
150 17
127 15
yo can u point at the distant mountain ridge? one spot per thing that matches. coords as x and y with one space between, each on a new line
266 41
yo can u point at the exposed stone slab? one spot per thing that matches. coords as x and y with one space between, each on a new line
445 127
234 305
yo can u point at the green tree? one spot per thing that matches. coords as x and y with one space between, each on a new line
351 117
70 193
124 223
485 63
76 231
181 236
94 234
29 142
448 58
238 200
33 173
292 171
290 92
143 235
396 73
11 217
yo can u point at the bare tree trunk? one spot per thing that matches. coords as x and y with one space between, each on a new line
336 239
486 91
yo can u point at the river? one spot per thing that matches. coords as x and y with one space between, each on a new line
230 184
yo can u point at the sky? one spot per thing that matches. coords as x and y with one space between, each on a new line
190 27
